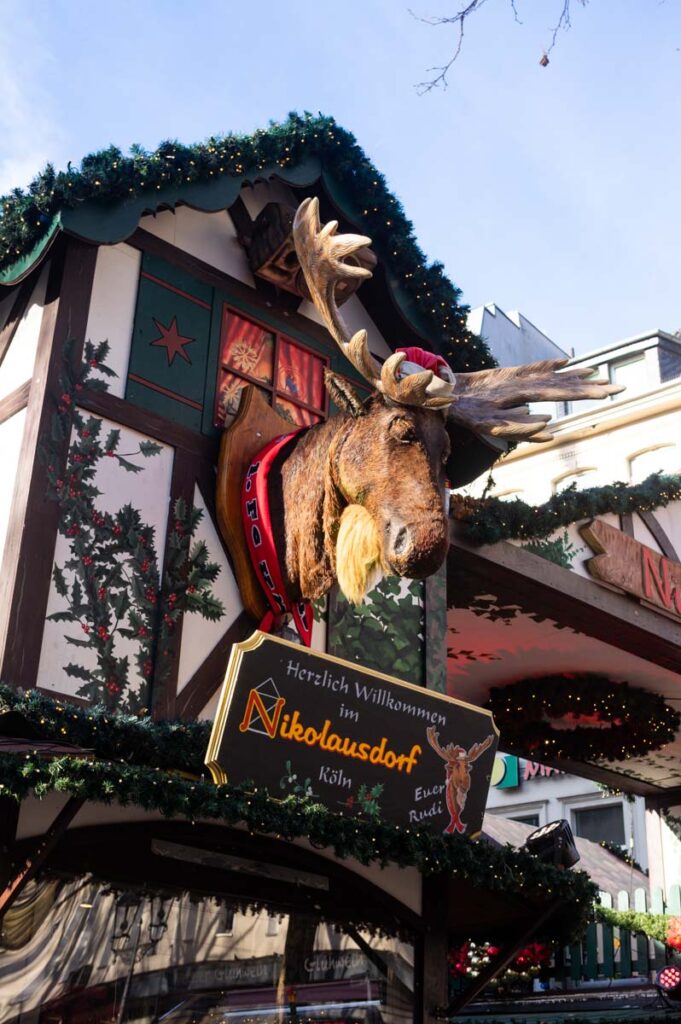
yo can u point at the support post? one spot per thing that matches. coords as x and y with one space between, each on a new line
39 854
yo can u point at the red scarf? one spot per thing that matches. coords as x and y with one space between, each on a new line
255 511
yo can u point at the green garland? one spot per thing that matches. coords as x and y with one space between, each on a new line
493 520
480 863
179 746
135 755
639 721
109 176
655 926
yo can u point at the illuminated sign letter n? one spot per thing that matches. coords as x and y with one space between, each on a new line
269 720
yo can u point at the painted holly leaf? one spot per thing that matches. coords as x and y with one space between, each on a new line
61 616
59 581
148 448
129 467
112 440
77 642
77 672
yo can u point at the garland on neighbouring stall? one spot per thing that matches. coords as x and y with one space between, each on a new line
660 927
493 520
581 717
482 864
109 176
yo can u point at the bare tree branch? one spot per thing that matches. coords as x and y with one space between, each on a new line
459 21
455 19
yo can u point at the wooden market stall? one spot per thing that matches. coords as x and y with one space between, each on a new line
139 297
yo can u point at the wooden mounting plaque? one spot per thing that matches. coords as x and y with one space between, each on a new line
255 425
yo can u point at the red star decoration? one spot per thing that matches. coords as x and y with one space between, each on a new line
172 341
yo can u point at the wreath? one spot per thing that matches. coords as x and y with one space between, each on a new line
582 718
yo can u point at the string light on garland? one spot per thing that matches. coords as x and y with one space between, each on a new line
581 717
109 176
493 519
127 769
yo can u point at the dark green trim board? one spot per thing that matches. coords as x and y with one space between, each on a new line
102 201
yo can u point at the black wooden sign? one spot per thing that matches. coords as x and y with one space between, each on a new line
296 721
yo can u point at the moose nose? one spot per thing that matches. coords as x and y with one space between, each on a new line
398 545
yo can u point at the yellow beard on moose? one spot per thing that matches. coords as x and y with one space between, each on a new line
289 727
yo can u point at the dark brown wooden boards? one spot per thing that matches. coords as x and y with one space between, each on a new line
627 564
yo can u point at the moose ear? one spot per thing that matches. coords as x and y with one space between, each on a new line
343 394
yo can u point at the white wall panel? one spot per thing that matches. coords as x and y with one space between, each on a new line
112 308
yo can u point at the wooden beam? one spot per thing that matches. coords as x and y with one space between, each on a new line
517 577
165 687
36 859
101 403
193 697
32 529
15 401
226 283
663 799
435 914
19 307
502 961
660 535
9 818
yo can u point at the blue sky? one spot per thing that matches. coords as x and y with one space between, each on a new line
555 191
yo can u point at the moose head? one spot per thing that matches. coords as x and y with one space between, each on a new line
364 493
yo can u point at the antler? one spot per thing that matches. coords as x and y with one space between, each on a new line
322 255
491 401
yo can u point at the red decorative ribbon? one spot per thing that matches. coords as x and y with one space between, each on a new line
255 511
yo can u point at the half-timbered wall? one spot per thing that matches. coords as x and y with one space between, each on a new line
165 301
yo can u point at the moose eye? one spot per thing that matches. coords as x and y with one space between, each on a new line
402 430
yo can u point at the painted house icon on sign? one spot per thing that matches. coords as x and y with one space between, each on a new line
263 709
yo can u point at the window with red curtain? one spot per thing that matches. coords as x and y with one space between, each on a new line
288 373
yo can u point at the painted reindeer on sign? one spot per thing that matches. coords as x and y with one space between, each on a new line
363 493
458 763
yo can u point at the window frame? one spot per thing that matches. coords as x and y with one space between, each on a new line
222 307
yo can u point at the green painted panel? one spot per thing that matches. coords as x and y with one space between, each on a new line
385 633
170 344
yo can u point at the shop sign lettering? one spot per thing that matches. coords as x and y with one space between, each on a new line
633 567
298 722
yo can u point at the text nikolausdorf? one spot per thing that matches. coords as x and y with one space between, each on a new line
290 727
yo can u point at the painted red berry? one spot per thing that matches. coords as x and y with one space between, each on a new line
87 559
113 687
93 363
142 631
191 589
84 626
101 593
102 633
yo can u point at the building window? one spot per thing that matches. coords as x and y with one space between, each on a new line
631 374
526 819
581 478
663 459
288 374
600 824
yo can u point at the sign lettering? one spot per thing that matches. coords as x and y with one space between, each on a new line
298 722
625 563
